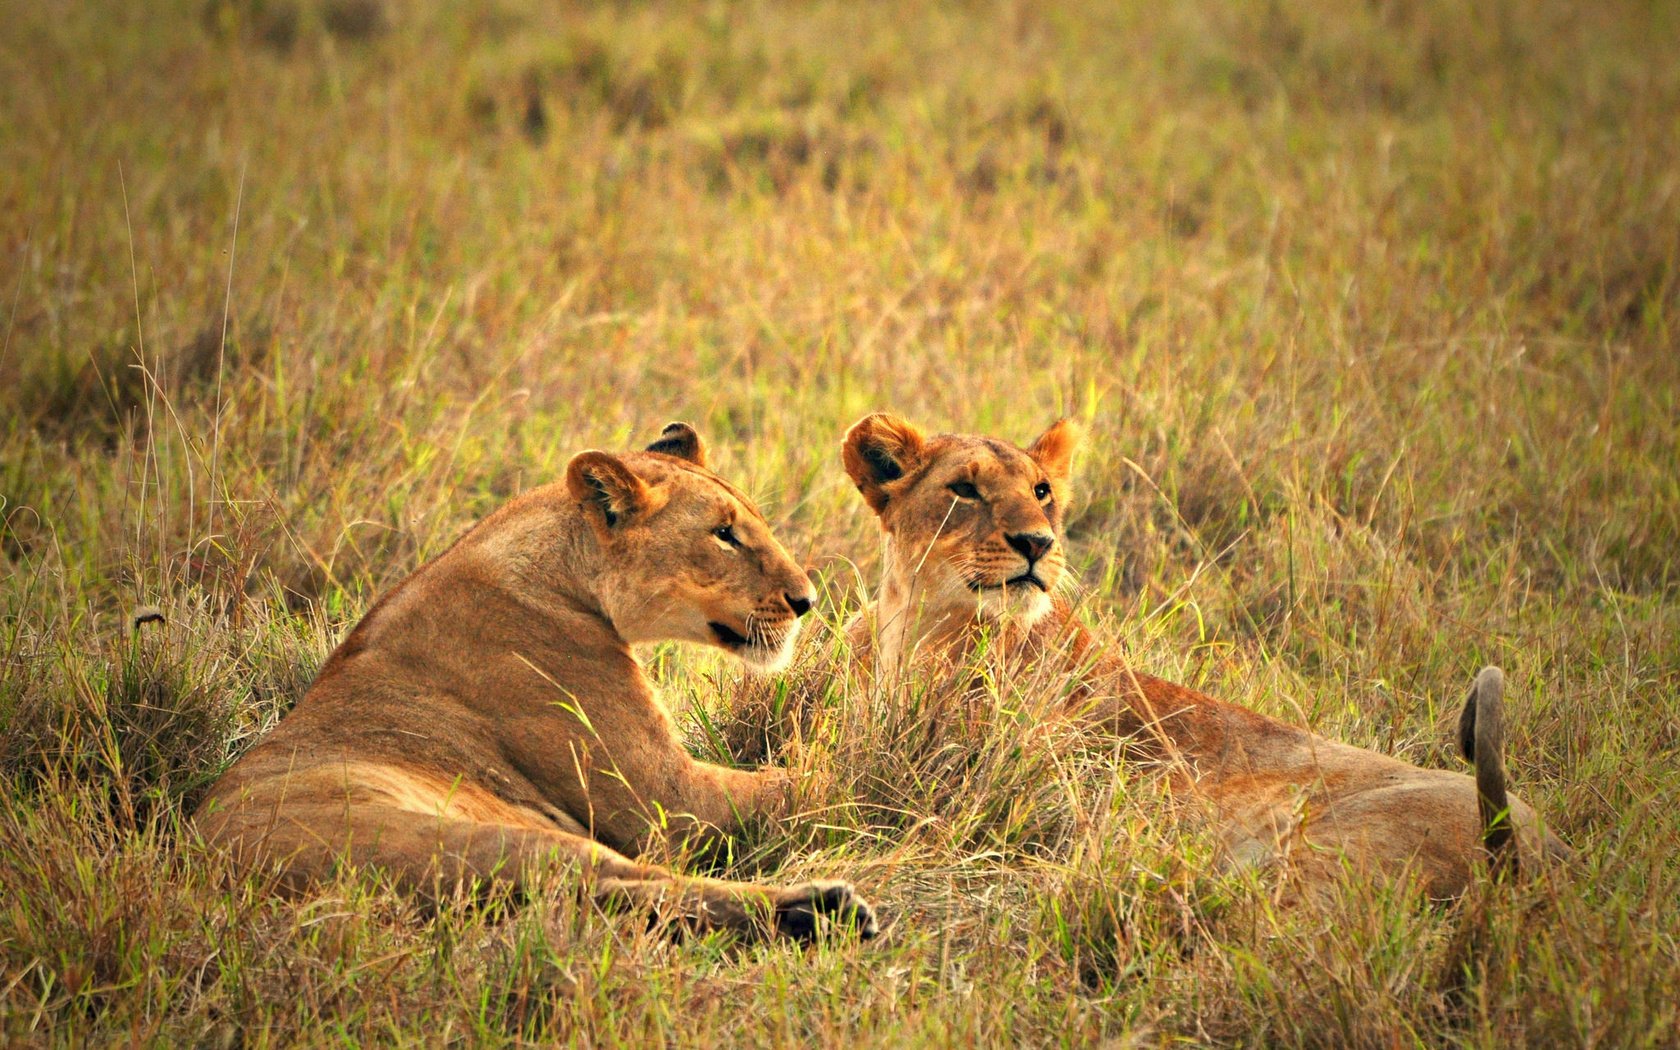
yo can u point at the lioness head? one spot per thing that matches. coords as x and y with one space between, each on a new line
974 524
686 555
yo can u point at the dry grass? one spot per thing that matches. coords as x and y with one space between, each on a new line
1370 309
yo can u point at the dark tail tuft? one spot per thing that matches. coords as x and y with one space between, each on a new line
1481 737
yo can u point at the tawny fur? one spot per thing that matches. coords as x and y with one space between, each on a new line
1278 793
487 718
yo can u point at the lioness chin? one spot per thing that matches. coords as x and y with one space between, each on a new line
974 542
487 719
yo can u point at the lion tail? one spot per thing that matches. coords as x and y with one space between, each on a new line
1481 738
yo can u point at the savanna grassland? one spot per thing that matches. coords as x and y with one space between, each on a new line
1370 309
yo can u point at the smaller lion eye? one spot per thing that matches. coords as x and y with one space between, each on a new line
964 490
726 533
1042 490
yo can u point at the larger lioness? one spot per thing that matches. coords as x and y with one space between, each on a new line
487 718
974 532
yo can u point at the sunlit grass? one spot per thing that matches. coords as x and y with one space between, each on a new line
1369 311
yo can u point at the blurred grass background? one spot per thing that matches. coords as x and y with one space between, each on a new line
1370 310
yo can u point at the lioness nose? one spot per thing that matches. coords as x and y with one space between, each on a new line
1032 545
799 605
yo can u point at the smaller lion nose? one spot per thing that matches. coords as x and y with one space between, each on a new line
799 604
1032 545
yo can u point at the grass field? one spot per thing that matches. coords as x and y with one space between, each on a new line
1372 311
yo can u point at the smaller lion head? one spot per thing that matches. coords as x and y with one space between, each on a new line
974 524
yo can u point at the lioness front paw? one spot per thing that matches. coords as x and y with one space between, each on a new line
799 906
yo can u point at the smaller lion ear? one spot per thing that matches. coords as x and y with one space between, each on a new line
878 450
1055 447
609 491
681 440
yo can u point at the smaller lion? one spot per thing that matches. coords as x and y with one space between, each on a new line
975 543
487 718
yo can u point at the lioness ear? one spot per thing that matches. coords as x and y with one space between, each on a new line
878 450
680 440
610 492
1055 447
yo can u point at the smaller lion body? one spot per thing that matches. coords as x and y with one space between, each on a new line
1278 794
487 719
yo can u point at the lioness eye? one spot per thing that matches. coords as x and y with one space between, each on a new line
1042 490
964 490
726 533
